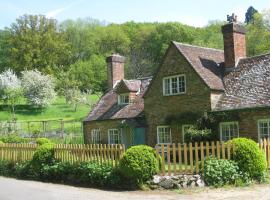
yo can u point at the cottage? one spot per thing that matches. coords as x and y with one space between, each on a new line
191 81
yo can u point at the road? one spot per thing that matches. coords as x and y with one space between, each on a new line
12 189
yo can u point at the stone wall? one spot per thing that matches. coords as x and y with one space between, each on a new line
158 107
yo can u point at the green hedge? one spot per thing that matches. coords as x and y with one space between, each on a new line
249 158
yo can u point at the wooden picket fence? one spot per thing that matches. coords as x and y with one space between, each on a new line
102 154
265 147
187 158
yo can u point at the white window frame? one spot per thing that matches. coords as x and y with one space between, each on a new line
183 130
170 132
170 85
95 136
122 97
259 129
227 123
119 136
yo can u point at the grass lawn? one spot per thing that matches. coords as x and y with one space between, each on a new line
58 110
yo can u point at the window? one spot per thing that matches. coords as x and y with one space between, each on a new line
264 128
114 136
163 134
228 130
184 130
95 136
123 99
174 85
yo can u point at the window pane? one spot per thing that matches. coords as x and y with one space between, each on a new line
229 131
264 129
114 136
174 85
167 86
164 135
181 84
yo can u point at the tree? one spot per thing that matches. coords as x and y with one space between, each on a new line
250 14
10 90
36 43
38 88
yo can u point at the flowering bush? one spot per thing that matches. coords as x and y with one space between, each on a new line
38 88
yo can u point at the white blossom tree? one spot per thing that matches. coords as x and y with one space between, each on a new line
38 88
10 90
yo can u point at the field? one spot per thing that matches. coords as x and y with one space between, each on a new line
58 110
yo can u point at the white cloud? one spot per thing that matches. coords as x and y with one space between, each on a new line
194 21
55 12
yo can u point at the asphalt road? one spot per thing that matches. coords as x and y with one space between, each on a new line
12 189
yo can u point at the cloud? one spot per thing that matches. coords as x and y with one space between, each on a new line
194 21
55 12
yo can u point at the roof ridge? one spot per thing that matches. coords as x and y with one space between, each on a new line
191 45
255 56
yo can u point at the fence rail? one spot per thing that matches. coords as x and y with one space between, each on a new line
176 158
187 158
102 154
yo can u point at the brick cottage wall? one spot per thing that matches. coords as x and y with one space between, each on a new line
158 107
103 126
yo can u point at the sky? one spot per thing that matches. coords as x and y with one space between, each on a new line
192 12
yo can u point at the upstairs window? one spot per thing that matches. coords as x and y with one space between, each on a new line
95 136
174 85
228 130
123 99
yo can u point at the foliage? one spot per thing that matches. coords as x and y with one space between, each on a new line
139 163
193 134
10 89
39 88
35 42
220 172
41 141
249 16
249 158
13 138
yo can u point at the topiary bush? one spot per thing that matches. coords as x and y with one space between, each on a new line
249 157
41 141
139 163
219 172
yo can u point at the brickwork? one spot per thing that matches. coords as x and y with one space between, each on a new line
158 107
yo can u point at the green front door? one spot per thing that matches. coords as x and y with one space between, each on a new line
139 136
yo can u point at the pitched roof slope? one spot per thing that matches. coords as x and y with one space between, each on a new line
206 62
108 108
248 85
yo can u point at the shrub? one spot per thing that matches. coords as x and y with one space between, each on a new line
139 163
249 157
13 139
41 141
194 135
219 172
1 142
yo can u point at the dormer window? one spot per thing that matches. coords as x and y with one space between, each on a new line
174 85
123 99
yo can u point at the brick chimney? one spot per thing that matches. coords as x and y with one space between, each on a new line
234 43
115 69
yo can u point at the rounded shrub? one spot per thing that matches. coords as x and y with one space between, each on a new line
44 154
219 172
139 163
249 157
1 142
41 141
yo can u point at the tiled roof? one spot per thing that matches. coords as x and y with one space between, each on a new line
131 85
108 108
206 62
248 85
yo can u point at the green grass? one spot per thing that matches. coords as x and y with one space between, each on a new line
58 110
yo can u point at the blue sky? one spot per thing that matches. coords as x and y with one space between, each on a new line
192 12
